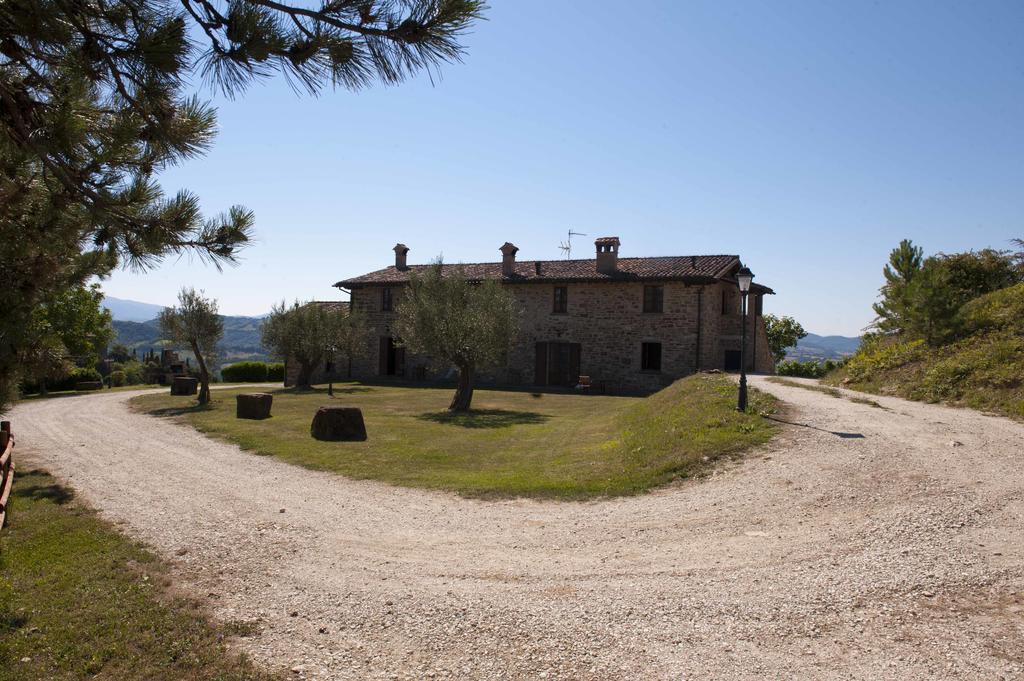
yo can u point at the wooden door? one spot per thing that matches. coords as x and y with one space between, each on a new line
558 363
400 361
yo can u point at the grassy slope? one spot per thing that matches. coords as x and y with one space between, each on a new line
80 601
512 444
984 371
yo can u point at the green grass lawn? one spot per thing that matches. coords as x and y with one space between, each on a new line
512 444
80 601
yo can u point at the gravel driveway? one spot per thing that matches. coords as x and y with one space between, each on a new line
864 542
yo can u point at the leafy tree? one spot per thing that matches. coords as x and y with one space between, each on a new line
312 334
195 322
81 323
457 322
905 262
922 296
71 329
783 333
119 353
93 106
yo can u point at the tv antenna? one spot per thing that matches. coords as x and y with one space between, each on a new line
566 246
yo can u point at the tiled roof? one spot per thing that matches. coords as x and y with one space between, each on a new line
694 268
333 305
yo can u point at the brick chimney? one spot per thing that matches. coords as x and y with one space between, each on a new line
401 250
607 254
508 259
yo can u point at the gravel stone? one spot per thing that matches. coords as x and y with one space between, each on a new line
858 544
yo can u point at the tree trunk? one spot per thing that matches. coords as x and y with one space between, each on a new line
302 381
464 393
204 376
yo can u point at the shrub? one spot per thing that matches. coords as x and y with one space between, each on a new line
880 354
77 376
809 369
74 377
1003 309
134 373
275 372
117 379
245 372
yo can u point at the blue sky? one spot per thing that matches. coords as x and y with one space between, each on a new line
808 137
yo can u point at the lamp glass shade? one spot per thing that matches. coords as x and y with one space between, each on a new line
743 278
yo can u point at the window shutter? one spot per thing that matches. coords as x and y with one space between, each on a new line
540 376
574 363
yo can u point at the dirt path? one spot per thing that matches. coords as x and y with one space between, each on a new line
863 543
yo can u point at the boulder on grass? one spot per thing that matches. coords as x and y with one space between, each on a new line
89 385
253 405
184 385
338 423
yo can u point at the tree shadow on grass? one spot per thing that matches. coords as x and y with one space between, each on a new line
485 418
37 485
338 390
166 412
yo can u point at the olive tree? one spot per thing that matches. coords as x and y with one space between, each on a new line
311 334
457 322
354 340
195 322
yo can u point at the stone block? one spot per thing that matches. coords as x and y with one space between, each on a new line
338 423
253 405
184 385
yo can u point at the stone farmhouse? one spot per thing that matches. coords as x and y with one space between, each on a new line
632 325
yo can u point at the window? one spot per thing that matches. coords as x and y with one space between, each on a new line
650 357
758 305
561 300
653 298
386 300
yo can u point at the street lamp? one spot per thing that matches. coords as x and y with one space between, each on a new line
743 278
331 350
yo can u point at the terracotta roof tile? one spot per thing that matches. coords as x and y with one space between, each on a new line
333 305
695 268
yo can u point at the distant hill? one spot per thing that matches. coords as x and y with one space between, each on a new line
815 347
241 338
131 310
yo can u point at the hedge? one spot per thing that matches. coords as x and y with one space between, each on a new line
245 372
77 375
275 372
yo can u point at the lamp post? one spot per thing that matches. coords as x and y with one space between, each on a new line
331 349
743 278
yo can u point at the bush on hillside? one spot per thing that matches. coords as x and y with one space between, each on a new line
881 353
1003 309
118 379
245 372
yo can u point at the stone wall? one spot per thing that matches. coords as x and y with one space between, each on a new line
607 321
